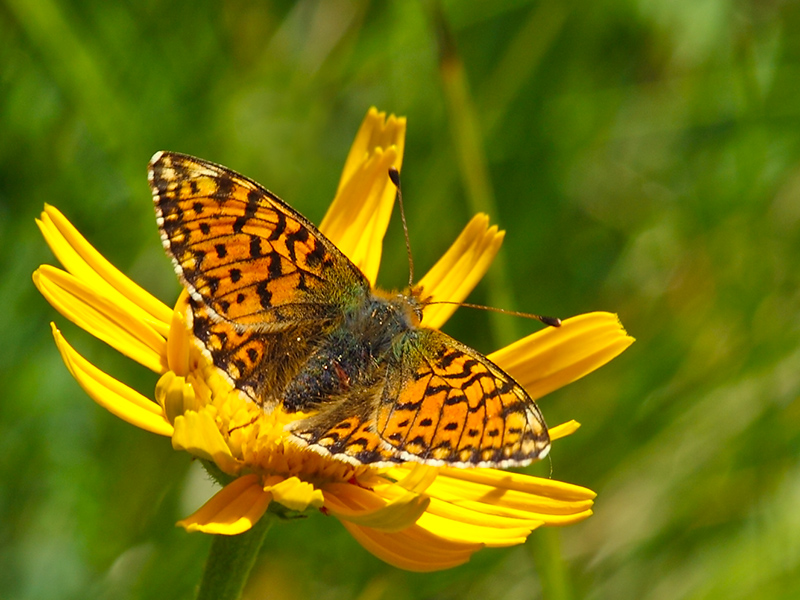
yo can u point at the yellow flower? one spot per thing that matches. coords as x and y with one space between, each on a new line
413 516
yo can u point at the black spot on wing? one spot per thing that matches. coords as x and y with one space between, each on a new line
297 237
255 247
315 257
280 227
224 188
274 269
264 295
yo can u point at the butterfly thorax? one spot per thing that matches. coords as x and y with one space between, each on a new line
353 355
383 315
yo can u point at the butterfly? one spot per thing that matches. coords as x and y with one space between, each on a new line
290 321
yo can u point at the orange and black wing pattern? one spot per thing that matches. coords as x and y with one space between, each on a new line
443 404
241 251
346 431
446 404
259 363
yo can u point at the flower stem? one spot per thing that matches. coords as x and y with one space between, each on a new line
467 134
545 547
468 141
230 560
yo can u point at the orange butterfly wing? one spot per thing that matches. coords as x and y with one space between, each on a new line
447 404
440 403
346 431
241 251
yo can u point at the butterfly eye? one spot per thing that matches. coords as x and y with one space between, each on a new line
418 311
413 308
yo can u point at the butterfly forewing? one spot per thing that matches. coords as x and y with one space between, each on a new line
240 250
447 404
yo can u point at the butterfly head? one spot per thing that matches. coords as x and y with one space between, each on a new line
388 314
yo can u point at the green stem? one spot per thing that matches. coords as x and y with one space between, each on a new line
230 560
545 547
467 131
468 140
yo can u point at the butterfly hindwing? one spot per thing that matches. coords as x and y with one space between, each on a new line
345 430
439 402
258 363
240 250
445 403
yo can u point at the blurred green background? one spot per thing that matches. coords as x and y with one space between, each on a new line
643 156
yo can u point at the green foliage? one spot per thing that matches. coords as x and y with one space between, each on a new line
644 158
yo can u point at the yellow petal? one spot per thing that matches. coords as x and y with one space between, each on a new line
413 549
553 357
232 510
366 508
178 342
495 507
468 533
501 513
197 433
359 215
457 273
419 477
376 131
101 317
462 524
483 520
476 513
295 494
506 487
111 394
563 430
88 265
176 396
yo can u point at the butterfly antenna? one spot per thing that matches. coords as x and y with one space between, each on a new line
394 175
551 321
